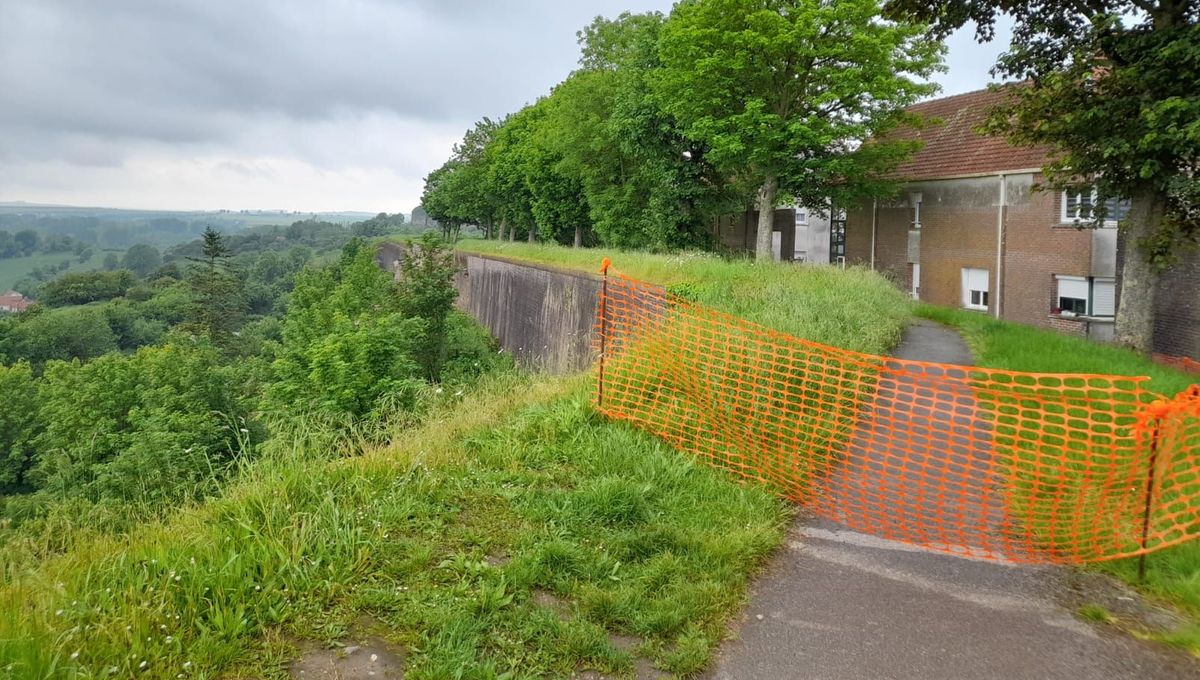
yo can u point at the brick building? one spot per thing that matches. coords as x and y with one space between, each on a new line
969 230
12 301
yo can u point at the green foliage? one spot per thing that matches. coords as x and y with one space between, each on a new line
80 289
785 93
312 547
218 295
19 424
647 183
161 424
141 259
471 352
40 335
380 225
348 352
426 292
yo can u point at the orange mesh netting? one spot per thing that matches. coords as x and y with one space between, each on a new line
1000 465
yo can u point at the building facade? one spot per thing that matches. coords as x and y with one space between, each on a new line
800 234
971 229
12 302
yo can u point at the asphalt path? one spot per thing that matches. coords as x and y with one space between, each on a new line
843 601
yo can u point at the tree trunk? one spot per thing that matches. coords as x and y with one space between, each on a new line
533 232
578 236
503 229
1139 278
765 204
488 226
512 232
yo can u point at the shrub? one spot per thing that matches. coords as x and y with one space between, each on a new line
80 289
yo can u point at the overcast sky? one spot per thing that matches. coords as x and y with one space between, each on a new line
311 105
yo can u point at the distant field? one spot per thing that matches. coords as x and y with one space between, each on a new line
14 269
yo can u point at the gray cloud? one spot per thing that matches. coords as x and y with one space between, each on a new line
270 86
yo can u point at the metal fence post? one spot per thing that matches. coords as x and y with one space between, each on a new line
1154 435
604 265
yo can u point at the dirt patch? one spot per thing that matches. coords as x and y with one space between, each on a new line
1129 609
368 659
548 600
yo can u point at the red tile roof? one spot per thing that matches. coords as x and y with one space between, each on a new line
955 147
12 301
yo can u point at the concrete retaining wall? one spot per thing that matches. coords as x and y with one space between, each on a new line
544 317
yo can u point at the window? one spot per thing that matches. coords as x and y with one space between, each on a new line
975 289
837 237
1080 206
1073 295
801 217
1086 296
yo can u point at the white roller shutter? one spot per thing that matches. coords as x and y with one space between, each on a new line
1073 287
1104 297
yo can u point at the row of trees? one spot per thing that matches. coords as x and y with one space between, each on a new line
672 121
28 242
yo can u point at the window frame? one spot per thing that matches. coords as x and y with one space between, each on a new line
967 293
1094 195
1089 302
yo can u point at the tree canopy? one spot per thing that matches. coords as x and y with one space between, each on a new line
670 122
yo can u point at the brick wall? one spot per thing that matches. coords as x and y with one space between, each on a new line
1037 246
958 230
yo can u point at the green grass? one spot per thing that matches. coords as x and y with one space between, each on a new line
854 308
1173 574
14 269
1016 347
448 543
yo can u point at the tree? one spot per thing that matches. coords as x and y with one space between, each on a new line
141 259
785 92
646 183
1110 87
26 241
111 262
85 287
426 292
218 296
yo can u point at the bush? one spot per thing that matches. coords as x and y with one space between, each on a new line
80 289
347 349
164 423
19 424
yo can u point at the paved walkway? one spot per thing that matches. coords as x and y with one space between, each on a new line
839 604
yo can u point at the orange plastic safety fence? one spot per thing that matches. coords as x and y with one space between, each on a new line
999 465
1186 364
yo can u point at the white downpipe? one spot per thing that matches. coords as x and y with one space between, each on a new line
1000 245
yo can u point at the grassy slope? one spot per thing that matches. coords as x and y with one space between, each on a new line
634 538
855 308
1172 574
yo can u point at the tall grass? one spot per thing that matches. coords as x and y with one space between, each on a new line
446 538
854 309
